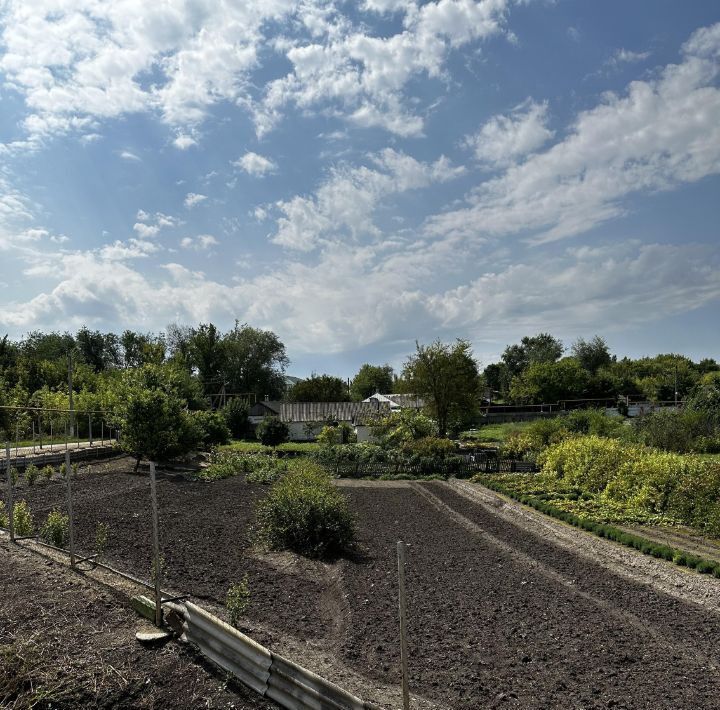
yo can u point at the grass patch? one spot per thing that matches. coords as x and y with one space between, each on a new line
495 433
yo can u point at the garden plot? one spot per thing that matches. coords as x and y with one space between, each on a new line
496 614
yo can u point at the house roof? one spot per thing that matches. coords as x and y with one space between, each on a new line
395 401
265 408
338 411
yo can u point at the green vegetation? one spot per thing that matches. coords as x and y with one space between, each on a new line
102 535
55 531
647 547
22 519
238 600
496 433
212 428
304 512
254 447
271 431
31 474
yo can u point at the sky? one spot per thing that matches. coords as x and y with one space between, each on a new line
359 176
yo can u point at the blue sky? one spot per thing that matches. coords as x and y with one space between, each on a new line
359 175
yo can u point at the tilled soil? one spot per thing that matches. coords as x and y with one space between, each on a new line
67 643
498 616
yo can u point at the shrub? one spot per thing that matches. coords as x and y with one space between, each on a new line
55 531
238 600
63 470
22 519
212 427
265 469
13 475
31 474
271 431
305 513
3 515
47 472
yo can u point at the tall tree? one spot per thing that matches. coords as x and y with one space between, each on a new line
319 388
207 354
591 354
371 379
446 376
255 361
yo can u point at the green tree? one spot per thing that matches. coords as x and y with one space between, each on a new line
319 388
548 382
371 379
446 376
236 416
591 354
154 425
255 362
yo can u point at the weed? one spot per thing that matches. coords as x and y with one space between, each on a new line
102 533
238 600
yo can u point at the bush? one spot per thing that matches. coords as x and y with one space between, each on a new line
13 475
47 472
238 600
305 513
31 474
3 515
271 431
102 534
55 531
212 427
22 519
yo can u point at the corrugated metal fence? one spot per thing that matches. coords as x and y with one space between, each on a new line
267 673
87 453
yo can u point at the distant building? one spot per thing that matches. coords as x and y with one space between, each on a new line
305 420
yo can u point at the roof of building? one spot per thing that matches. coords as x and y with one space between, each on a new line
338 411
396 400
264 408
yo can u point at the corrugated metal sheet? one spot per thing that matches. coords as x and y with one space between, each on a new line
226 646
338 411
269 674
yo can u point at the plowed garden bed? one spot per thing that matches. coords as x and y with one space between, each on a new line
497 615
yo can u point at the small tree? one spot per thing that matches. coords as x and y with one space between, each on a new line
271 431
236 417
371 379
155 427
447 377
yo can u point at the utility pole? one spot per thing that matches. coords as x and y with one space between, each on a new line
70 394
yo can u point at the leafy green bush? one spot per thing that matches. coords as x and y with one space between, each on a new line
47 472
22 519
271 431
304 512
55 531
212 428
31 474
238 600
4 521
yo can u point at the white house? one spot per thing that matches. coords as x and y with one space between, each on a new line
397 401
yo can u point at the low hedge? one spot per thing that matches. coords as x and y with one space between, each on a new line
610 532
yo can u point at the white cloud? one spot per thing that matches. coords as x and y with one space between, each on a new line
627 56
345 202
149 225
184 141
146 231
659 134
504 139
193 198
202 242
254 164
128 155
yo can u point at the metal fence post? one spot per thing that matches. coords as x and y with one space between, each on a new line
90 429
156 546
68 488
403 625
11 512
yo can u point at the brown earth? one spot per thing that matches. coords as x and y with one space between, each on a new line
65 642
498 616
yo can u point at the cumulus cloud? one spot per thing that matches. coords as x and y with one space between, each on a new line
184 141
504 139
193 198
345 202
656 135
149 225
202 242
254 164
